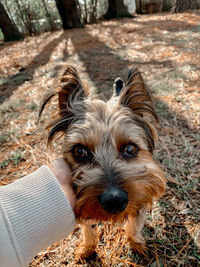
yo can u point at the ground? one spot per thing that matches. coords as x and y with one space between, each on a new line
165 47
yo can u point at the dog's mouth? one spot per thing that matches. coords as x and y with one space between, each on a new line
97 214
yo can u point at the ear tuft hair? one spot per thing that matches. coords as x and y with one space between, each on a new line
135 95
70 92
71 88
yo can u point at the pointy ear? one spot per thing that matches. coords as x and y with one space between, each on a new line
135 96
71 93
71 88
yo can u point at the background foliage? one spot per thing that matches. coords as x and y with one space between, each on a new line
35 17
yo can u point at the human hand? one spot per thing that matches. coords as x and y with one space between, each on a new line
62 172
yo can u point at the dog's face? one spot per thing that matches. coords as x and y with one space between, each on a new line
109 147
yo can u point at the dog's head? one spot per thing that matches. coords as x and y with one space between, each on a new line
109 147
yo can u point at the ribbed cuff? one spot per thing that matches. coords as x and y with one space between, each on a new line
38 212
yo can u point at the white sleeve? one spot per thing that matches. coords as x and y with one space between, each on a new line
34 213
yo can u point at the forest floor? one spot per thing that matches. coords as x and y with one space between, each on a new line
166 47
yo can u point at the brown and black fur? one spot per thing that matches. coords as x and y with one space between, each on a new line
107 131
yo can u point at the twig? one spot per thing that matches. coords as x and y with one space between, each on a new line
155 247
178 254
127 262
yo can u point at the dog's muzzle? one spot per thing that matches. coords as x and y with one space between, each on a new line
113 200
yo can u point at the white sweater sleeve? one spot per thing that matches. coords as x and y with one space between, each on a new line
34 213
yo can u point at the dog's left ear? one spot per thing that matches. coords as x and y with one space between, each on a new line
135 96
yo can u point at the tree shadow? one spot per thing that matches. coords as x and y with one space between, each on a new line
11 83
103 72
96 68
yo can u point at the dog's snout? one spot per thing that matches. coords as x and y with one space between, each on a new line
113 200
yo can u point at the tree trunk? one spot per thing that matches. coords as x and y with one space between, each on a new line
116 9
182 5
138 5
25 15
149 6
85 19
70 13
167 5
93 14
48 15
9 29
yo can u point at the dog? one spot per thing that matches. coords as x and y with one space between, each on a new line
109 147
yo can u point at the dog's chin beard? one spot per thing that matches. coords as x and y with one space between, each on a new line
98 215
88 209
142 192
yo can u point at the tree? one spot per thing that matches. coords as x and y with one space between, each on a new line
138 5
48 16
89 11
9 29
116 9
26 15
167 5
148 6
70 14
182 5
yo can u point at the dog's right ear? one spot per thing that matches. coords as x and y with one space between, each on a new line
71 88
71 92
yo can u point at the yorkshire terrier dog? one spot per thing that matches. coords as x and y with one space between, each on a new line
109 148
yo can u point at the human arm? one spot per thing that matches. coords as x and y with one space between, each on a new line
34 213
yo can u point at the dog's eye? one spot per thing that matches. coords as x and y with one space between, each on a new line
129 151
81 154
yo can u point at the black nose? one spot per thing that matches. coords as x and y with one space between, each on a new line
114 200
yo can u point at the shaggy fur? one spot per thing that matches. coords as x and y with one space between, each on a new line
109 144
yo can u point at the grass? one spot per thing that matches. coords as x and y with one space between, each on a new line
33 106
16 158
5 137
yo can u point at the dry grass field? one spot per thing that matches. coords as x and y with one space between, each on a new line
166 47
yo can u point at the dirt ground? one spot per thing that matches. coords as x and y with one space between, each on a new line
166 48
